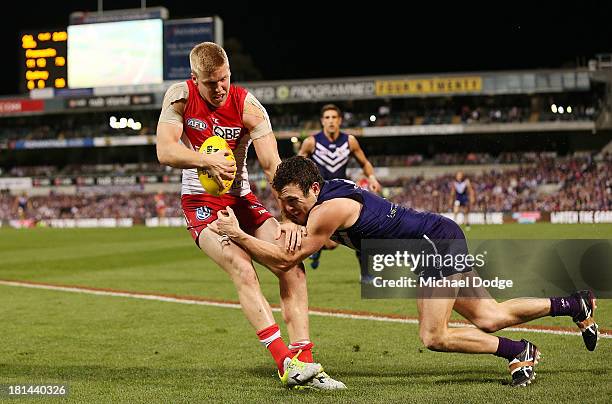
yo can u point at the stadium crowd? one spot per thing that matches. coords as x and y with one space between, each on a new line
385 160
135 205
545 183
551 184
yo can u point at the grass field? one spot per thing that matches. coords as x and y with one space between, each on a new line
119 349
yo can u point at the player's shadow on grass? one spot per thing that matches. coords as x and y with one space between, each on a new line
262 371
470 380
400 378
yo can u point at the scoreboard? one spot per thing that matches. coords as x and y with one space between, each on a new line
112 50
44 56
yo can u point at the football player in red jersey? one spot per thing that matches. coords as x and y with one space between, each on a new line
208 105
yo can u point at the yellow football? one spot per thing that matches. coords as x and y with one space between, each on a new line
211 145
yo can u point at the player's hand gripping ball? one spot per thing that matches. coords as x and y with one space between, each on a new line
212 145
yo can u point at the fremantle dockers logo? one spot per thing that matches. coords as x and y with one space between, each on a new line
203 212
196 124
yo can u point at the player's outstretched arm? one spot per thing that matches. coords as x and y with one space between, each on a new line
471 193
366 166
322 223
452 197
308 147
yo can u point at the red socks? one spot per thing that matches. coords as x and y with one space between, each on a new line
306 347
270 337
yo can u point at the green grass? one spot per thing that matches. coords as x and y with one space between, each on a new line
112 349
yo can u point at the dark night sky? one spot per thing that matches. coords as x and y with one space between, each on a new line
320 40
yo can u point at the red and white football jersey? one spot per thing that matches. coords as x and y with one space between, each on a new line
201 121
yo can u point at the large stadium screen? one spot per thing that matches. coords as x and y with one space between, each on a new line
115 53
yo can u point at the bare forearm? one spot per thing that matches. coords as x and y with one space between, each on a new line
267 253
368 170
178 156
270 169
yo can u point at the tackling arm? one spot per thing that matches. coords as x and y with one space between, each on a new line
322 223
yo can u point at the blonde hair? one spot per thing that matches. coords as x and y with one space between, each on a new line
206 57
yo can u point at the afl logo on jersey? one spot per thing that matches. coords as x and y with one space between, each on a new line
196 124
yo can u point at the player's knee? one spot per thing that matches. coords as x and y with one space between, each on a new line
292 274
487 325
489 319
433 340
330 245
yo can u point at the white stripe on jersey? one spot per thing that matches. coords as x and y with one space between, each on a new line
330 168
460 186
331 160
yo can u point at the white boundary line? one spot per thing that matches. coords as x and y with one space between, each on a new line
209 303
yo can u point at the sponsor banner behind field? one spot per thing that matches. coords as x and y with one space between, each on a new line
90 222
53 143
111 141
585 216
477 218
19 106
105 183
165 222
22 223
527 217
433 85
110 101
16 183
319 90
490 218
72 223
107 141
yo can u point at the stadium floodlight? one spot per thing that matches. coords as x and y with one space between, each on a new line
553 108
372 118
560 110
568 109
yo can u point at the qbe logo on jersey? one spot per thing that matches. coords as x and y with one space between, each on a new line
227 133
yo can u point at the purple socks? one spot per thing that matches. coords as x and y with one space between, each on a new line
509 349
564 306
